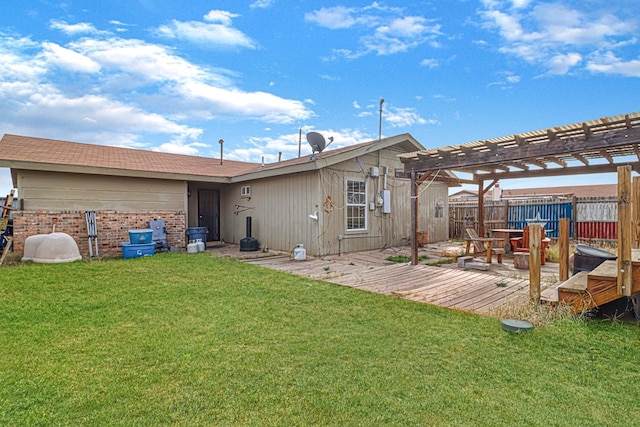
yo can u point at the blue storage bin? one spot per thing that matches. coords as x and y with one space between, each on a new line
197 233
143 235
131 250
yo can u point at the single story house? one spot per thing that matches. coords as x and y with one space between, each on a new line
347 199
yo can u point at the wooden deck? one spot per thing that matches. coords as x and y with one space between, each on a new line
445 286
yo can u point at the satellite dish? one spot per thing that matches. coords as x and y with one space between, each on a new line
316 141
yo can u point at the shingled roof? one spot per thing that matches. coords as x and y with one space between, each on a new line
30 153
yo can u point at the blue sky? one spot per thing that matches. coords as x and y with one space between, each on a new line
180 76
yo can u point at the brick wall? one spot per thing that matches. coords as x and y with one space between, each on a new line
112 226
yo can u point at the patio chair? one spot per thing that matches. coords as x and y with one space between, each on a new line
159 235
521 244
484 246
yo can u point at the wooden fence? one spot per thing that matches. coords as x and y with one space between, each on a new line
590 218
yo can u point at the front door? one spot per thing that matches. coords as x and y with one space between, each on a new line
209 212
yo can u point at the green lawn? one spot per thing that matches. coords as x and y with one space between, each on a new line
191 339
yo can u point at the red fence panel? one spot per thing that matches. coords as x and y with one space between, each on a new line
597 230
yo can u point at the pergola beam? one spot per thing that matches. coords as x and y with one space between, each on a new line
570 146
542 173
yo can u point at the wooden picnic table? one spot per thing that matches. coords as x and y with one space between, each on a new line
507 234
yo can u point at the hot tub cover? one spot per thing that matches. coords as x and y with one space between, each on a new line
51 248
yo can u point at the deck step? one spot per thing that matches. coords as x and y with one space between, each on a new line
606 270
549 295
576 283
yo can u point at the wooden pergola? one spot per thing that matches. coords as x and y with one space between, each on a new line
606 145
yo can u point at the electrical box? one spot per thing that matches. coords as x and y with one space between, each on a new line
386 201
374 171
372 206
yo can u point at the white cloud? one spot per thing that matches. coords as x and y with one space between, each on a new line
131 91
506 81
222 16
400 35
217 32
562 63
73 29
520 4
356 105
197 88
261 4
557 36
609 63
178 147
430 63
68 59
16 63
287 144
387 30
399 117
337 17
92 110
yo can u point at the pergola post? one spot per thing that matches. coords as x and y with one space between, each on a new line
481 208
414 219
563 242
535 240
625 230
635 211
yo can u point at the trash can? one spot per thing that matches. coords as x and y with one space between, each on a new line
197 233
587 258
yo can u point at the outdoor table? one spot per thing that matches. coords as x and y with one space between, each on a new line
508 233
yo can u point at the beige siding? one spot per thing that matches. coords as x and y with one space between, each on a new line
431 196
67 191
280 208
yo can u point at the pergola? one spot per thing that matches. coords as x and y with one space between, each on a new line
598 146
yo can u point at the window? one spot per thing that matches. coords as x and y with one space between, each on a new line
245 191
356 205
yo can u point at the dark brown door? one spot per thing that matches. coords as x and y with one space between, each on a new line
209 213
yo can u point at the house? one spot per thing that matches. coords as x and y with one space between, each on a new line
347 199
498 193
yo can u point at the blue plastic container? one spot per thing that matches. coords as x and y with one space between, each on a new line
143 235
130 250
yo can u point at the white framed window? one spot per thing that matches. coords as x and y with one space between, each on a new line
356 203
245 191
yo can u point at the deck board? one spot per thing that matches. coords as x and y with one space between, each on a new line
450 287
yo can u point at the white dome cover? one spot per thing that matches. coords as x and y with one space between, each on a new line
51 248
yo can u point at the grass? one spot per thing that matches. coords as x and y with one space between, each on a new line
190 340
440 262
405 258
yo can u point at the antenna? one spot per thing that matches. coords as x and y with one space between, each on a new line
380 123
317 143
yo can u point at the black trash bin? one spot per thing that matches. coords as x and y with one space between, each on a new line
197 233
587 258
